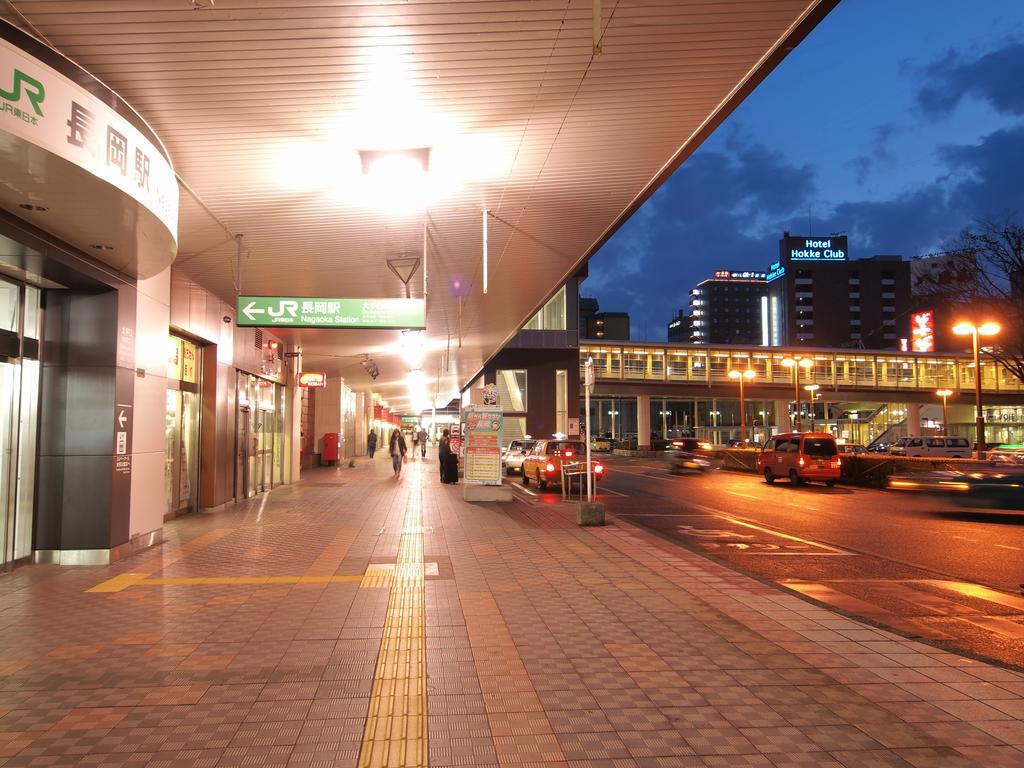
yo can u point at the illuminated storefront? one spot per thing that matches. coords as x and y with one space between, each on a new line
184 408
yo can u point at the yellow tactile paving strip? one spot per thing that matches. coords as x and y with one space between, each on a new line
125 580
396 724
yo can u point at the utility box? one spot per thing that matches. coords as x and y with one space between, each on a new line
332 443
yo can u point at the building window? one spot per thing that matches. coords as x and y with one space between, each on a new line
512 390
551 316
562 402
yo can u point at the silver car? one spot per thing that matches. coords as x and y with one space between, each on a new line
513 455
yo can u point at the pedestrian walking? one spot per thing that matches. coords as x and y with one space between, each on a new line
415 440
423 443
397 449
371 443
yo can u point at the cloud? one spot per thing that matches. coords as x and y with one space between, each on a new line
727 210
993 77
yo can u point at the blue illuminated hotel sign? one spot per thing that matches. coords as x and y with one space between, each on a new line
816 248
775 272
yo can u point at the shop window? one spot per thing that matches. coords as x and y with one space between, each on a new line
562 402
181 427
512 390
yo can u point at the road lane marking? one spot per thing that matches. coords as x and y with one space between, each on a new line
613 493
1007 546
978 591
744 495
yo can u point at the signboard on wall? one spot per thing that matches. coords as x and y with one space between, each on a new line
922 331
484 428
43 107
816 248
309 312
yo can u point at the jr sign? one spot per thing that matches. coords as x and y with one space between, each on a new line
304 312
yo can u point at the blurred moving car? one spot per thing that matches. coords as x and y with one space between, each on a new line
991 488
513 455
1007 454
852 448
800 456
544 463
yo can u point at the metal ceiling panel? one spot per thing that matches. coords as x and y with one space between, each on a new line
264 104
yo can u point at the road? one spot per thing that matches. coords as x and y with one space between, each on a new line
924 568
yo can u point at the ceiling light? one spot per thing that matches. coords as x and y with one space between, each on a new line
412 348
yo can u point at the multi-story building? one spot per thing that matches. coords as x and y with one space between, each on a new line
680 328
724 309
818 297
607 326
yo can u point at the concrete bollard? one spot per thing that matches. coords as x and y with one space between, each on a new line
590 513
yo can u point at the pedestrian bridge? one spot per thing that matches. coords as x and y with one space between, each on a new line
855 371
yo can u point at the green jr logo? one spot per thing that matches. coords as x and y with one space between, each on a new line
33 89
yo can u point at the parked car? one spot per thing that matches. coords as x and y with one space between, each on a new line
899 447
853 448
544 463
800 456
601 444
937 446
513 455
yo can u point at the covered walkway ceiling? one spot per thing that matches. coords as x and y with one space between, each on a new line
264 106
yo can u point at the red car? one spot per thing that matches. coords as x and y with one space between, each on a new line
800 456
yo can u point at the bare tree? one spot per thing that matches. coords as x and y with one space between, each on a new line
984 277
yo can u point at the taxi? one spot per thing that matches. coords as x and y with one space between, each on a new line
544 464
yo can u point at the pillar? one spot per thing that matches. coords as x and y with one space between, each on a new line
328 413
913 419
782 417
643 422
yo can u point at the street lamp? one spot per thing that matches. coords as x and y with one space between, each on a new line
812 390
796 365
741 377
613 414
975 331
944 393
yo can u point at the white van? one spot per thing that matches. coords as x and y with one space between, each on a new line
938 446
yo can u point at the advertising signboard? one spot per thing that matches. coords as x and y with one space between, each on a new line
833 248
922 331
484 427
725 274
307 312
313 379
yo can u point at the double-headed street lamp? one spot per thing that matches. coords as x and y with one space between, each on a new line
975 332
741 377
944 394
805 363
613 414
812 392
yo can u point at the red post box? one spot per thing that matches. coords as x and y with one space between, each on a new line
331 446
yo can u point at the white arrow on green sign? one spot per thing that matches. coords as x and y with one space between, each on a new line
306 312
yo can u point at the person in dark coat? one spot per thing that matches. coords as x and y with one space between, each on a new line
397 449
371 443
444 452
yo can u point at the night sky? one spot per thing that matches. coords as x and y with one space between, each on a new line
898 123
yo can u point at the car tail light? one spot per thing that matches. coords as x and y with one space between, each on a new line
801 461
550 467
598 469
837 462
568 454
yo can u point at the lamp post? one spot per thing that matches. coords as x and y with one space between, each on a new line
796 364
988 328
613 414
741 377
812 393
944 394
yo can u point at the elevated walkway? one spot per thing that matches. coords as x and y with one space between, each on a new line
353 619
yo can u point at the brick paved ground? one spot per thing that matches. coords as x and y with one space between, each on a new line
253 637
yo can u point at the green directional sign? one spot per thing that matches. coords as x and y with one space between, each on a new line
305 312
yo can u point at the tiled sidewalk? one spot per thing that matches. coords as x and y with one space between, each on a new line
510 637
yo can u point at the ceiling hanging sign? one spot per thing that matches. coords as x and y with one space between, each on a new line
305 312
45 108
313 379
